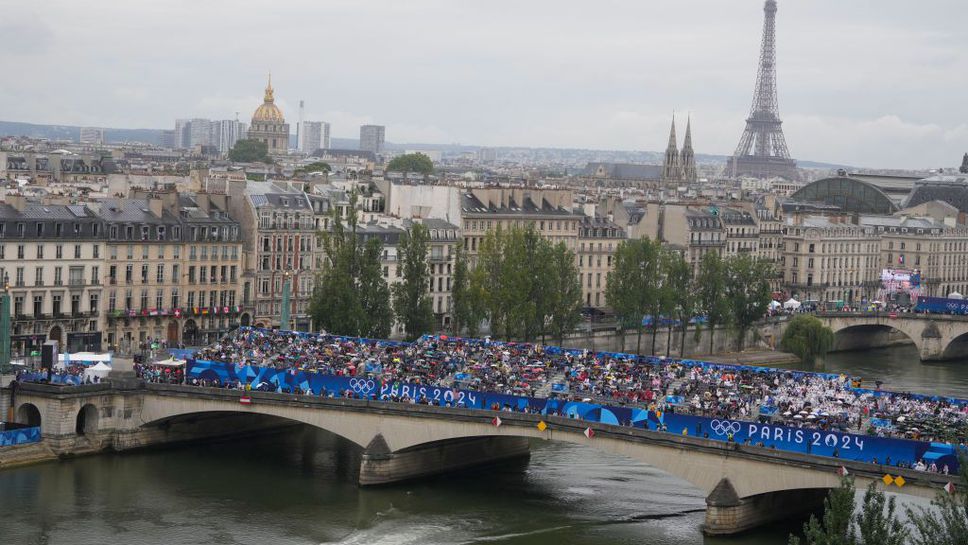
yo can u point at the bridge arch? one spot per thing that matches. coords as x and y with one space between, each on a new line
957 348
29 414
86 421
703 469
875 333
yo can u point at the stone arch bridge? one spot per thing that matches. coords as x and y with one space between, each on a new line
745 485
938 337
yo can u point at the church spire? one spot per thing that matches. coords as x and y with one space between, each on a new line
671 169
269 92
687 158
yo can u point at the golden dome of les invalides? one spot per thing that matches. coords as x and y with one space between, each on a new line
268 112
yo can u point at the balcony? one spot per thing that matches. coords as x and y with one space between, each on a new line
76 282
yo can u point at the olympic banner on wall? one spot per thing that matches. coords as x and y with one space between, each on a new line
863 448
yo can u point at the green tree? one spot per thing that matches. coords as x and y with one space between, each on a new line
411 162
807 337
632 289
565 290
835 527
317 166
411 300
374 293
747 292
711 293
462 313
876 524
350 296
250 151
946 523
678 291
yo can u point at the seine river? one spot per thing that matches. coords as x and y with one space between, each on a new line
294 487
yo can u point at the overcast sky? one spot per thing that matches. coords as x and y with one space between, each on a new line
879 83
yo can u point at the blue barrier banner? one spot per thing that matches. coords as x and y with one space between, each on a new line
835 444
19 436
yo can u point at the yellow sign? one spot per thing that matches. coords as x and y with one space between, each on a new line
899 481
542 426
888 480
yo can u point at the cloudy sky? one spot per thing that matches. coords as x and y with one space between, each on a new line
879 83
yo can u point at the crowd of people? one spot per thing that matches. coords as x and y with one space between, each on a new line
798 399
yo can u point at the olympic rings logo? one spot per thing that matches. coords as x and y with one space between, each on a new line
722 427
360 385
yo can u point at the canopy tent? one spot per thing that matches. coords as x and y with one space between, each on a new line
791 304
955 295
775 304
99 370
81 358
170 362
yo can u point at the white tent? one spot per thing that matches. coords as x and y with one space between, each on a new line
170 362
955 295
100 370
775 304
791 304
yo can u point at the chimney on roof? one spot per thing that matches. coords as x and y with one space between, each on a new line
17 200
156 205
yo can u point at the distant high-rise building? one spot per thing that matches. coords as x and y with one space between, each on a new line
269 125
372 137
226 133
92 135
313 135
183 136
168 139
487 155
200 132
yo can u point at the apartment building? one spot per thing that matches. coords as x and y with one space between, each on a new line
598 238
51 258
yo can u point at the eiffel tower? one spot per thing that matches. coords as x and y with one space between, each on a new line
762 151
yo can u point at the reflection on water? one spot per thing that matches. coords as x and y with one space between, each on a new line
296 487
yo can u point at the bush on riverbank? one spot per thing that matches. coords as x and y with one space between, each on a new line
808 338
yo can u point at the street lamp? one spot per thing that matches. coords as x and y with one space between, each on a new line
284 322
5 327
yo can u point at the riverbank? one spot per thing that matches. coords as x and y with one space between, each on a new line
766 358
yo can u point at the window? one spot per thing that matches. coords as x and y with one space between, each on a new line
77 251
40 251
58 280
128 273
96 275
112 301
39 276
144 274
20 251
174 298
191 274
93 301
59 251
159 298
174 274
38 305
97 252
144 298
75 304
191 299
160 274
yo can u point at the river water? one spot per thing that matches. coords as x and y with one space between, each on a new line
295 487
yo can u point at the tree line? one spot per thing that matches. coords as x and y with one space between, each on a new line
527 288
652 283
876 521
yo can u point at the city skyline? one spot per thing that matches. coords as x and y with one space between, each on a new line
543 76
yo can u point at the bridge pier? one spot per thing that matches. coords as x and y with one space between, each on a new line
727 513
380 466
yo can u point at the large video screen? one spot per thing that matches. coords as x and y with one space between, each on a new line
901 282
